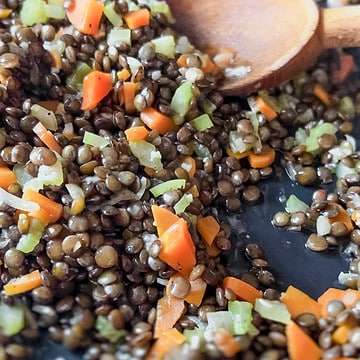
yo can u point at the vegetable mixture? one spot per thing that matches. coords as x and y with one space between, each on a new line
117 156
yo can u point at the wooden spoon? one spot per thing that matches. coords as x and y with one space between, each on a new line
276 38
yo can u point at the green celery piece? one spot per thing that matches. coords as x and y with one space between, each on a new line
161 7
165 45
95 140
202 151
147 154
181 101
12 319
220 319
114 18
183 203
241 312
195 337
166 186
202 122
347 106
75 79
294 204
272 310
132 6
54 11
51 174
207 106
311 142
119 35
106 330
30 240
33 12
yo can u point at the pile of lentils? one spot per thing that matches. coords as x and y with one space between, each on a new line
116 272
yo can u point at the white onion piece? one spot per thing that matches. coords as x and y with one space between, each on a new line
323 226
16 202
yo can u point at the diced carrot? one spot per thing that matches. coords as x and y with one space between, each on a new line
85 15
23 283
169 309
156 120
327 296
265 108
226 342
322 94
188 163
4 13
136 133
197 292
208 66
263 159
341 334
53 208
342 217
242 289
124 74
347 65
41 214
181 60
298 302
149 171
96 85
177 247
208 227
163 218
47 137
7 177
137 18
127 95
300 345
167 342
212 250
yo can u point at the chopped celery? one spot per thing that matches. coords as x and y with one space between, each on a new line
114 18
181 101
347 106
220 320
56 2
311 141
166 186
95 140
160 7
300 136
165 45
51 174
106 330
147 154
241 312
294 204
54 11
183 203
33 12
118 35
272 310
131 5
195 337
12 319
201 150
45 116
202 122
30 240
75 79
207 106
305 117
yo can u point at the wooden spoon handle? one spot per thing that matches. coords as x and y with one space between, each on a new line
340 27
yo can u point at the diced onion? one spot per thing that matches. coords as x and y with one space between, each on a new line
16 202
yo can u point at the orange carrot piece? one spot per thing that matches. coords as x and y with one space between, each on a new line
47 137
177 247
163 218
197 292
212 250
238 155
262 160
322 94
4 13
181 60
136 133
156 120
137 18
298 302
169 340
188 163
85 15
300 345
96 86
341 335
23 283
265 108
7 177
208 227
226 342
169 309
127 95
347 65
343 217
53 208
56 59
124 74
41 214
208 66
242 289
327 296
